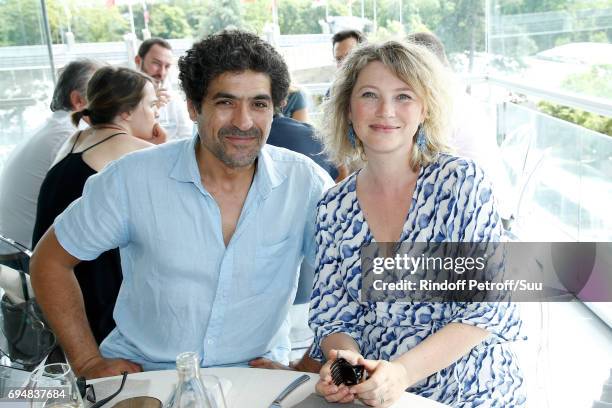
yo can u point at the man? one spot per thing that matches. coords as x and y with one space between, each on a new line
211 230
155 59
473 132
343 42
26 168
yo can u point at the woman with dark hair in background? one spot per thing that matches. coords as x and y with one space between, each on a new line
122 112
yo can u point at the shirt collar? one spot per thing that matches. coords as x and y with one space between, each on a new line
185 169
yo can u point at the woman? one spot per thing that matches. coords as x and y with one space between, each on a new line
122 112
389 109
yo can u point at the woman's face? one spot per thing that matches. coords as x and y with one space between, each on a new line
144 116
385 111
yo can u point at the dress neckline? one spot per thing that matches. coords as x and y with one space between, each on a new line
369 238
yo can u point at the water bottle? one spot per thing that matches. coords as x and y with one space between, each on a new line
189 392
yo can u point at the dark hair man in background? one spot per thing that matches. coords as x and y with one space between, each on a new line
343 42
211 230
155 59
27 166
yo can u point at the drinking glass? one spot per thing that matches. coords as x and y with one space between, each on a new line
54 386
214 391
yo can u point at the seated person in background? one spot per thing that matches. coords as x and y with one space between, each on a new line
27 166
473 132
122 110
389 106
211 230
296 106
155 59
299 137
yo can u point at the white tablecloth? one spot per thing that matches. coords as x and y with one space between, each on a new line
250 387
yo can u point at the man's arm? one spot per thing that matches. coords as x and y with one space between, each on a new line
60 297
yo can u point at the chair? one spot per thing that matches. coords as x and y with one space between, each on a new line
25 337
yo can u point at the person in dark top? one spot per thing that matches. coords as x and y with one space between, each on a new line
122 112
299 137
296 106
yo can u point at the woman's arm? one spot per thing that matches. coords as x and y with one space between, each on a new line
338 341
300 115
387 381
439 350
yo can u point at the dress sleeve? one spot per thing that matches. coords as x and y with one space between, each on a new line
334 307
478 221
97 221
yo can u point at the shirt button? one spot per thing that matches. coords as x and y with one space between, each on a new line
211 342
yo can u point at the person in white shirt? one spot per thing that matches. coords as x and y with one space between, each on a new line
155 59
28 164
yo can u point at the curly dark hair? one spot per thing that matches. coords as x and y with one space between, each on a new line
231 51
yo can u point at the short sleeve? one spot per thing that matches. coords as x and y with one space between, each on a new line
96 222
333 309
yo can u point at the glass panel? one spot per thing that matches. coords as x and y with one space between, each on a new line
562 44
561 174
25 81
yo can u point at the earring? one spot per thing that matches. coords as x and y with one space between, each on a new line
421 140
351 135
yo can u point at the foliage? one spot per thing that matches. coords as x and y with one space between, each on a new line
588 120
596 82
458 23
168 22
221 14
90 25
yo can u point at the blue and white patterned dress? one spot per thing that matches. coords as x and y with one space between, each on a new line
452 202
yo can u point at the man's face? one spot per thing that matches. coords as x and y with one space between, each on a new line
235 117
156 63
342 49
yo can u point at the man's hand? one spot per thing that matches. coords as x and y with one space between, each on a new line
305 364
268 364
106 367
163 97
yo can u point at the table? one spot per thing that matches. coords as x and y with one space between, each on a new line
251 387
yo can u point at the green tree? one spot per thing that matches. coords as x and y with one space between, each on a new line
168 22
89 24
596 82
220 15
256 14
21 23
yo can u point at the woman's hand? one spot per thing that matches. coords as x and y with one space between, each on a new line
386 383
326 387
159 135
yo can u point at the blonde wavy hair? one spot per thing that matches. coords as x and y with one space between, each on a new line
413 64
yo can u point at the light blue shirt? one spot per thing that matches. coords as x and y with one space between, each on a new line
183 290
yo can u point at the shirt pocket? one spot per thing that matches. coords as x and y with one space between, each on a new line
275 268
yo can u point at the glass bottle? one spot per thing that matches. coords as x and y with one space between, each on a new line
189 392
